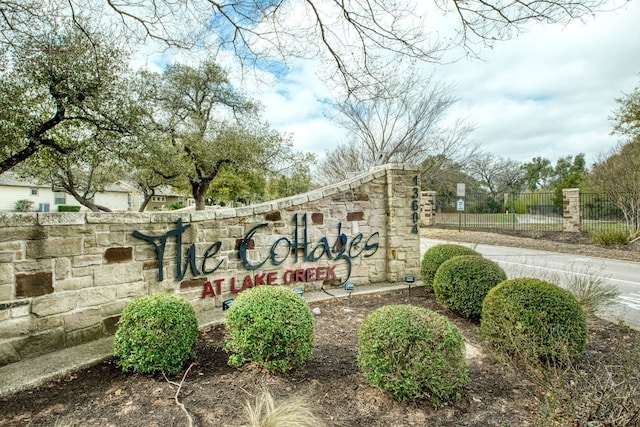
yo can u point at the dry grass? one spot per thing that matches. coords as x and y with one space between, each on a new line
291 412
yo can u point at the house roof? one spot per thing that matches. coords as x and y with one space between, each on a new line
163 190
10 179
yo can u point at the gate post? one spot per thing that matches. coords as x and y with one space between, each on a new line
428 208
571 210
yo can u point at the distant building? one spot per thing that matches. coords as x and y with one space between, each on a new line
44 199
164 198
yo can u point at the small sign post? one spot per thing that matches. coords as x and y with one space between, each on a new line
460 209
460 192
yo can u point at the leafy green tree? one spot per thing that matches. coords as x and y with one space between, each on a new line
202 123
234 185
191 142
626 118
538 173
81 174
289 184
63 93
569 172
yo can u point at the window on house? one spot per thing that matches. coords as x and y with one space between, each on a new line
59 198
34 191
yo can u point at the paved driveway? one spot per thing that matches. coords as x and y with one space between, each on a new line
558 268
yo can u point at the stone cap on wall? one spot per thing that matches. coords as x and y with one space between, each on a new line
27 219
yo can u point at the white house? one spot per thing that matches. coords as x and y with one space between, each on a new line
44 199
164 198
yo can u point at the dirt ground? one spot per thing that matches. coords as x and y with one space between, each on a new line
571 243
213 394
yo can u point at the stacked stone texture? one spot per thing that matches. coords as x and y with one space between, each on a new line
571 210
66 277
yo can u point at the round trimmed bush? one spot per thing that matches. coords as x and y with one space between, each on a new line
462 282
271 326
157 333
435 256
414 353
534 320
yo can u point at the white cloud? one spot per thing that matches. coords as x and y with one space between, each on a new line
547 93
551 91
294 106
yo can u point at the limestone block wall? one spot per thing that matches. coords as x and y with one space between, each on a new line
66 277
571 210
428 208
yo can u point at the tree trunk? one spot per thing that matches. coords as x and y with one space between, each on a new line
147 199
199 191
86 202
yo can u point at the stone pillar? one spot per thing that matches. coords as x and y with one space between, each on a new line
428 208
403 234
571 210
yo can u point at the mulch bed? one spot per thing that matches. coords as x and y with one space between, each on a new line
214 394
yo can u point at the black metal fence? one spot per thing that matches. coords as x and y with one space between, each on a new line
599 213
528 211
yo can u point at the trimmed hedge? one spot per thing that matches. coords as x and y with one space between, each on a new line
68 208
157 333
534 320
462 282
271 326
414 353
435 256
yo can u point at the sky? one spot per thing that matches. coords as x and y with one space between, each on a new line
548 92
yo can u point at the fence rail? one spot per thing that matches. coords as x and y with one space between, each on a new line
598 213
529 211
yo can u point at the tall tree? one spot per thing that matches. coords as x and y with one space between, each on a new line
617 173
626 118
496 174
188 106
289 183
617 176
82 173
441 175
233 185
355 37
538 173
206 123
60 92
401 121
569 172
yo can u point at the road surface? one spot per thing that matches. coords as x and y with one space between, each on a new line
559 268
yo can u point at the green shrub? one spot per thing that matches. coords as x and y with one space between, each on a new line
611 237
414 353
157 333
462 282
68 208
24 205
271 326
534 320
436 255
